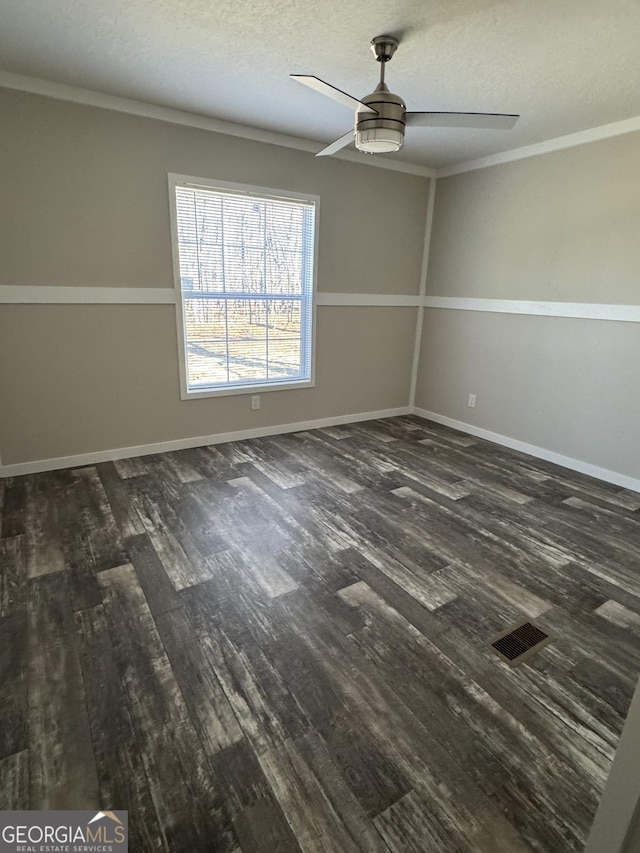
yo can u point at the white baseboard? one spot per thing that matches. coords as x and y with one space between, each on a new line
533 450
76 461
19 468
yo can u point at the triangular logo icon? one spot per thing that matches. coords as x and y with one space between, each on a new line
110 815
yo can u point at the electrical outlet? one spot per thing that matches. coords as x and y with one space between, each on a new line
471 402
255 402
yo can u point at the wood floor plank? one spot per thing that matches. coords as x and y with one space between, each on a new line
258 820
121 773
13 684
253 520
176 465
14 782
228 602
397 597
626 498
260 719
175 548
374 781
209 708
612 517
262 827
97 519
283 470
260 568
270 575
619 615
602 681
159 592
292 512
472 581
348 461
442 822
43 530
118 495
190 808
499 469
338 432
340 790
211 463
607 642
373 532
538 823
61 761
78 554
318 824
14 501
281 702
13 574
317 464
204 529
134 467
430 589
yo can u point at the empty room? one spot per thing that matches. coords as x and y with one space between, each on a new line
319 427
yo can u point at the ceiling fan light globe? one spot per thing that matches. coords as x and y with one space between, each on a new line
381 140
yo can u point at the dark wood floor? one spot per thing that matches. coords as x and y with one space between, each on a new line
280 644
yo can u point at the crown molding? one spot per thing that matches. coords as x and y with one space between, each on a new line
87 97
571 140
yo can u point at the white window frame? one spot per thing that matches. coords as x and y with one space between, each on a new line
263 193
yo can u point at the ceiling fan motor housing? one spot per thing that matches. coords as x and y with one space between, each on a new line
390 113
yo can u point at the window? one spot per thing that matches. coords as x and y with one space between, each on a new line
244 260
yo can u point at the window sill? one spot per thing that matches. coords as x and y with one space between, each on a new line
246 389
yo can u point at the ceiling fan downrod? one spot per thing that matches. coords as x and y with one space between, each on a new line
383 48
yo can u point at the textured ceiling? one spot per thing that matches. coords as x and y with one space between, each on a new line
564 65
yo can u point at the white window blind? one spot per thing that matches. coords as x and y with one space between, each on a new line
246 267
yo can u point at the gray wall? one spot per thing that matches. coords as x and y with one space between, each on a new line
562 227
616 828
83 378
632 844
84 202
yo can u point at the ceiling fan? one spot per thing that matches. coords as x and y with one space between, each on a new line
381 117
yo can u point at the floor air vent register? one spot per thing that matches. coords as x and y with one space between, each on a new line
516 645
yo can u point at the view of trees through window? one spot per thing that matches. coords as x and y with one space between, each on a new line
246 270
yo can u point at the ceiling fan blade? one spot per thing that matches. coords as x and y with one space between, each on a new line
337 145
330 91
490 121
